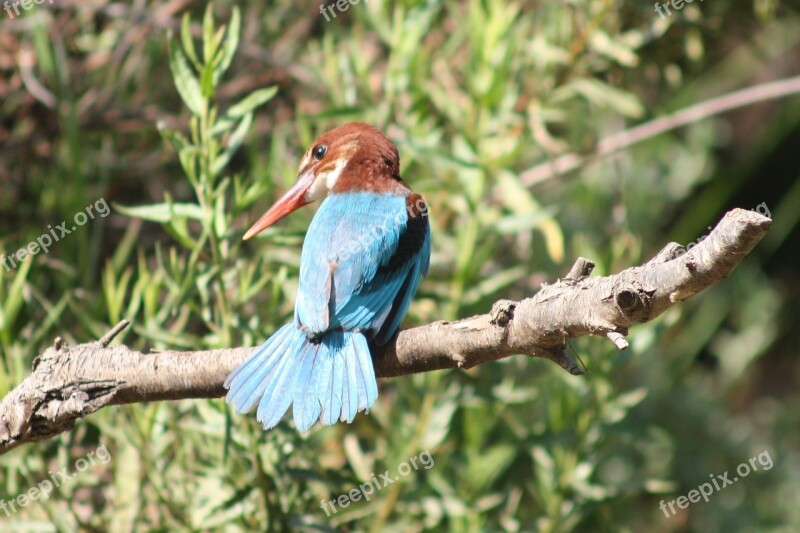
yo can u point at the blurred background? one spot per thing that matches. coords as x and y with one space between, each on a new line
187 143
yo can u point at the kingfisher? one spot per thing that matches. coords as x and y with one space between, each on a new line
365 252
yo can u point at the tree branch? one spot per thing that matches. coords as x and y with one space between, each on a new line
625 139
70 382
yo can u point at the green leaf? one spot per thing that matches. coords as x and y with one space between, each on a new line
488 465
252 101
13 302
179 230
186 40
617 410
236 139
97 328
185 80
162 212
208 34
553 238
222 125
54 315
125 247
528 214
220 210
175 138
493 284
207 84
600 93
231 44
188 160
115 290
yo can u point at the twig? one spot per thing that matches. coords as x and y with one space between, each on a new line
624 139
116 330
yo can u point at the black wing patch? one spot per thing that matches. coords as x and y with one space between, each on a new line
409 246
413 237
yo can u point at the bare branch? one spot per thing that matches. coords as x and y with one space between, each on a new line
71 382
624 139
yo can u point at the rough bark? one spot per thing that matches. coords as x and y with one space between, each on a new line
68 383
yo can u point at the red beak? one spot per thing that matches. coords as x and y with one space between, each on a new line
294 199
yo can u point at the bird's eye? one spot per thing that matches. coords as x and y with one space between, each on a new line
320 151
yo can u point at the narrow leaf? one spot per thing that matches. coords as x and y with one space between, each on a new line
185 80
236 139
208 34
162 212
231 44
186 41
252 101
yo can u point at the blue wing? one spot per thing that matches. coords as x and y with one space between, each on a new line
363 258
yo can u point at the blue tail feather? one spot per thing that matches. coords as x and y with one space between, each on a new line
278 394
251 386
351 383
306 405
329 379
332 401
367 372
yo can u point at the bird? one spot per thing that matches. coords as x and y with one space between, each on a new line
365 252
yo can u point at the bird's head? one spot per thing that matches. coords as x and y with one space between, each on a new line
353 156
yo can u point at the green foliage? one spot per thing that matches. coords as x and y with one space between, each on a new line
188 136
205 281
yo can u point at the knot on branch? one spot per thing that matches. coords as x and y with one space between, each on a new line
628 301
502 313
632 302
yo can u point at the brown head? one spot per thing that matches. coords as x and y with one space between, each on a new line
352 157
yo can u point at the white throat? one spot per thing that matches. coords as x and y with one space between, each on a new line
325 181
